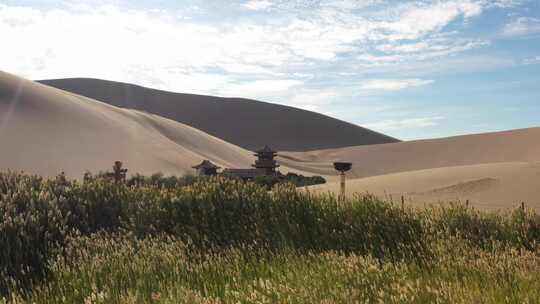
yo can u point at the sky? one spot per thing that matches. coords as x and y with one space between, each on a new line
410 69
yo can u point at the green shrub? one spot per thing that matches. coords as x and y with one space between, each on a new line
161 181
290 178
37 216
518 228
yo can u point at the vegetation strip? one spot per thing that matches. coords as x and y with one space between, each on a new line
221 240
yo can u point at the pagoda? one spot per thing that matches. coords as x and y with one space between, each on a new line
206 168
266 160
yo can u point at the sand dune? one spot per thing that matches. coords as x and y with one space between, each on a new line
493 170
487 186
44 130
246 123
510 146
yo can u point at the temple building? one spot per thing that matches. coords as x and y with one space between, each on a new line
265 165
266 160
206 168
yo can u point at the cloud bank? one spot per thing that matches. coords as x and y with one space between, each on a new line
316 55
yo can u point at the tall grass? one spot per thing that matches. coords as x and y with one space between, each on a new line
104 240
121 268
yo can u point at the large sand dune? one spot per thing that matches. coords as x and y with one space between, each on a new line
493 170
510 146
246 123
44 130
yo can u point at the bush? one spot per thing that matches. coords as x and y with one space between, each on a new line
37 216
292 178
161 181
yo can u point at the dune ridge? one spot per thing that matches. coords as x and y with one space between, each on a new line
520 145
491 170
45 130
243 122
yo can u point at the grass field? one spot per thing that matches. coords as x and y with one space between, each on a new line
223 241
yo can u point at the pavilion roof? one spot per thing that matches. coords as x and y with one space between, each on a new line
206 164
266 149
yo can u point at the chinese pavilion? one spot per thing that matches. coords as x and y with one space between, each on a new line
266 160
265 165
206 168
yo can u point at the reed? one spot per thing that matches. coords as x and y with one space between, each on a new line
222 240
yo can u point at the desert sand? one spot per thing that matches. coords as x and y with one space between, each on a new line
492 170
509 146
44 130
486 186
246 123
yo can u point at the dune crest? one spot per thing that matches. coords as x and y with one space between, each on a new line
45 130
509 146
243 122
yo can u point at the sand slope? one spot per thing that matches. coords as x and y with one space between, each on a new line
44 130
247 123
487 186
493 170
510 146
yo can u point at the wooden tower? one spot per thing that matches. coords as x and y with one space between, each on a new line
265 160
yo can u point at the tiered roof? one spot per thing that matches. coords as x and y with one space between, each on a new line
266 149
206 164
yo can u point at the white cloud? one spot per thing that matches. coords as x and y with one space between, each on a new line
253 58
432 48
307 54
312 100
534 60
393 84
418 21
522 26
410 123
419 51
407 68
257 4
349 4
268 88
242 68
505 3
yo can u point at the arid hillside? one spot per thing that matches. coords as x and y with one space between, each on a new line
486 186
492 170
246 123
521 145
44 130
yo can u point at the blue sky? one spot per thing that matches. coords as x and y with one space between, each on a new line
410 69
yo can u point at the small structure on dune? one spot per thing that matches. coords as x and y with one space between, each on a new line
342 167
265 165
119 173
206 168
266 160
